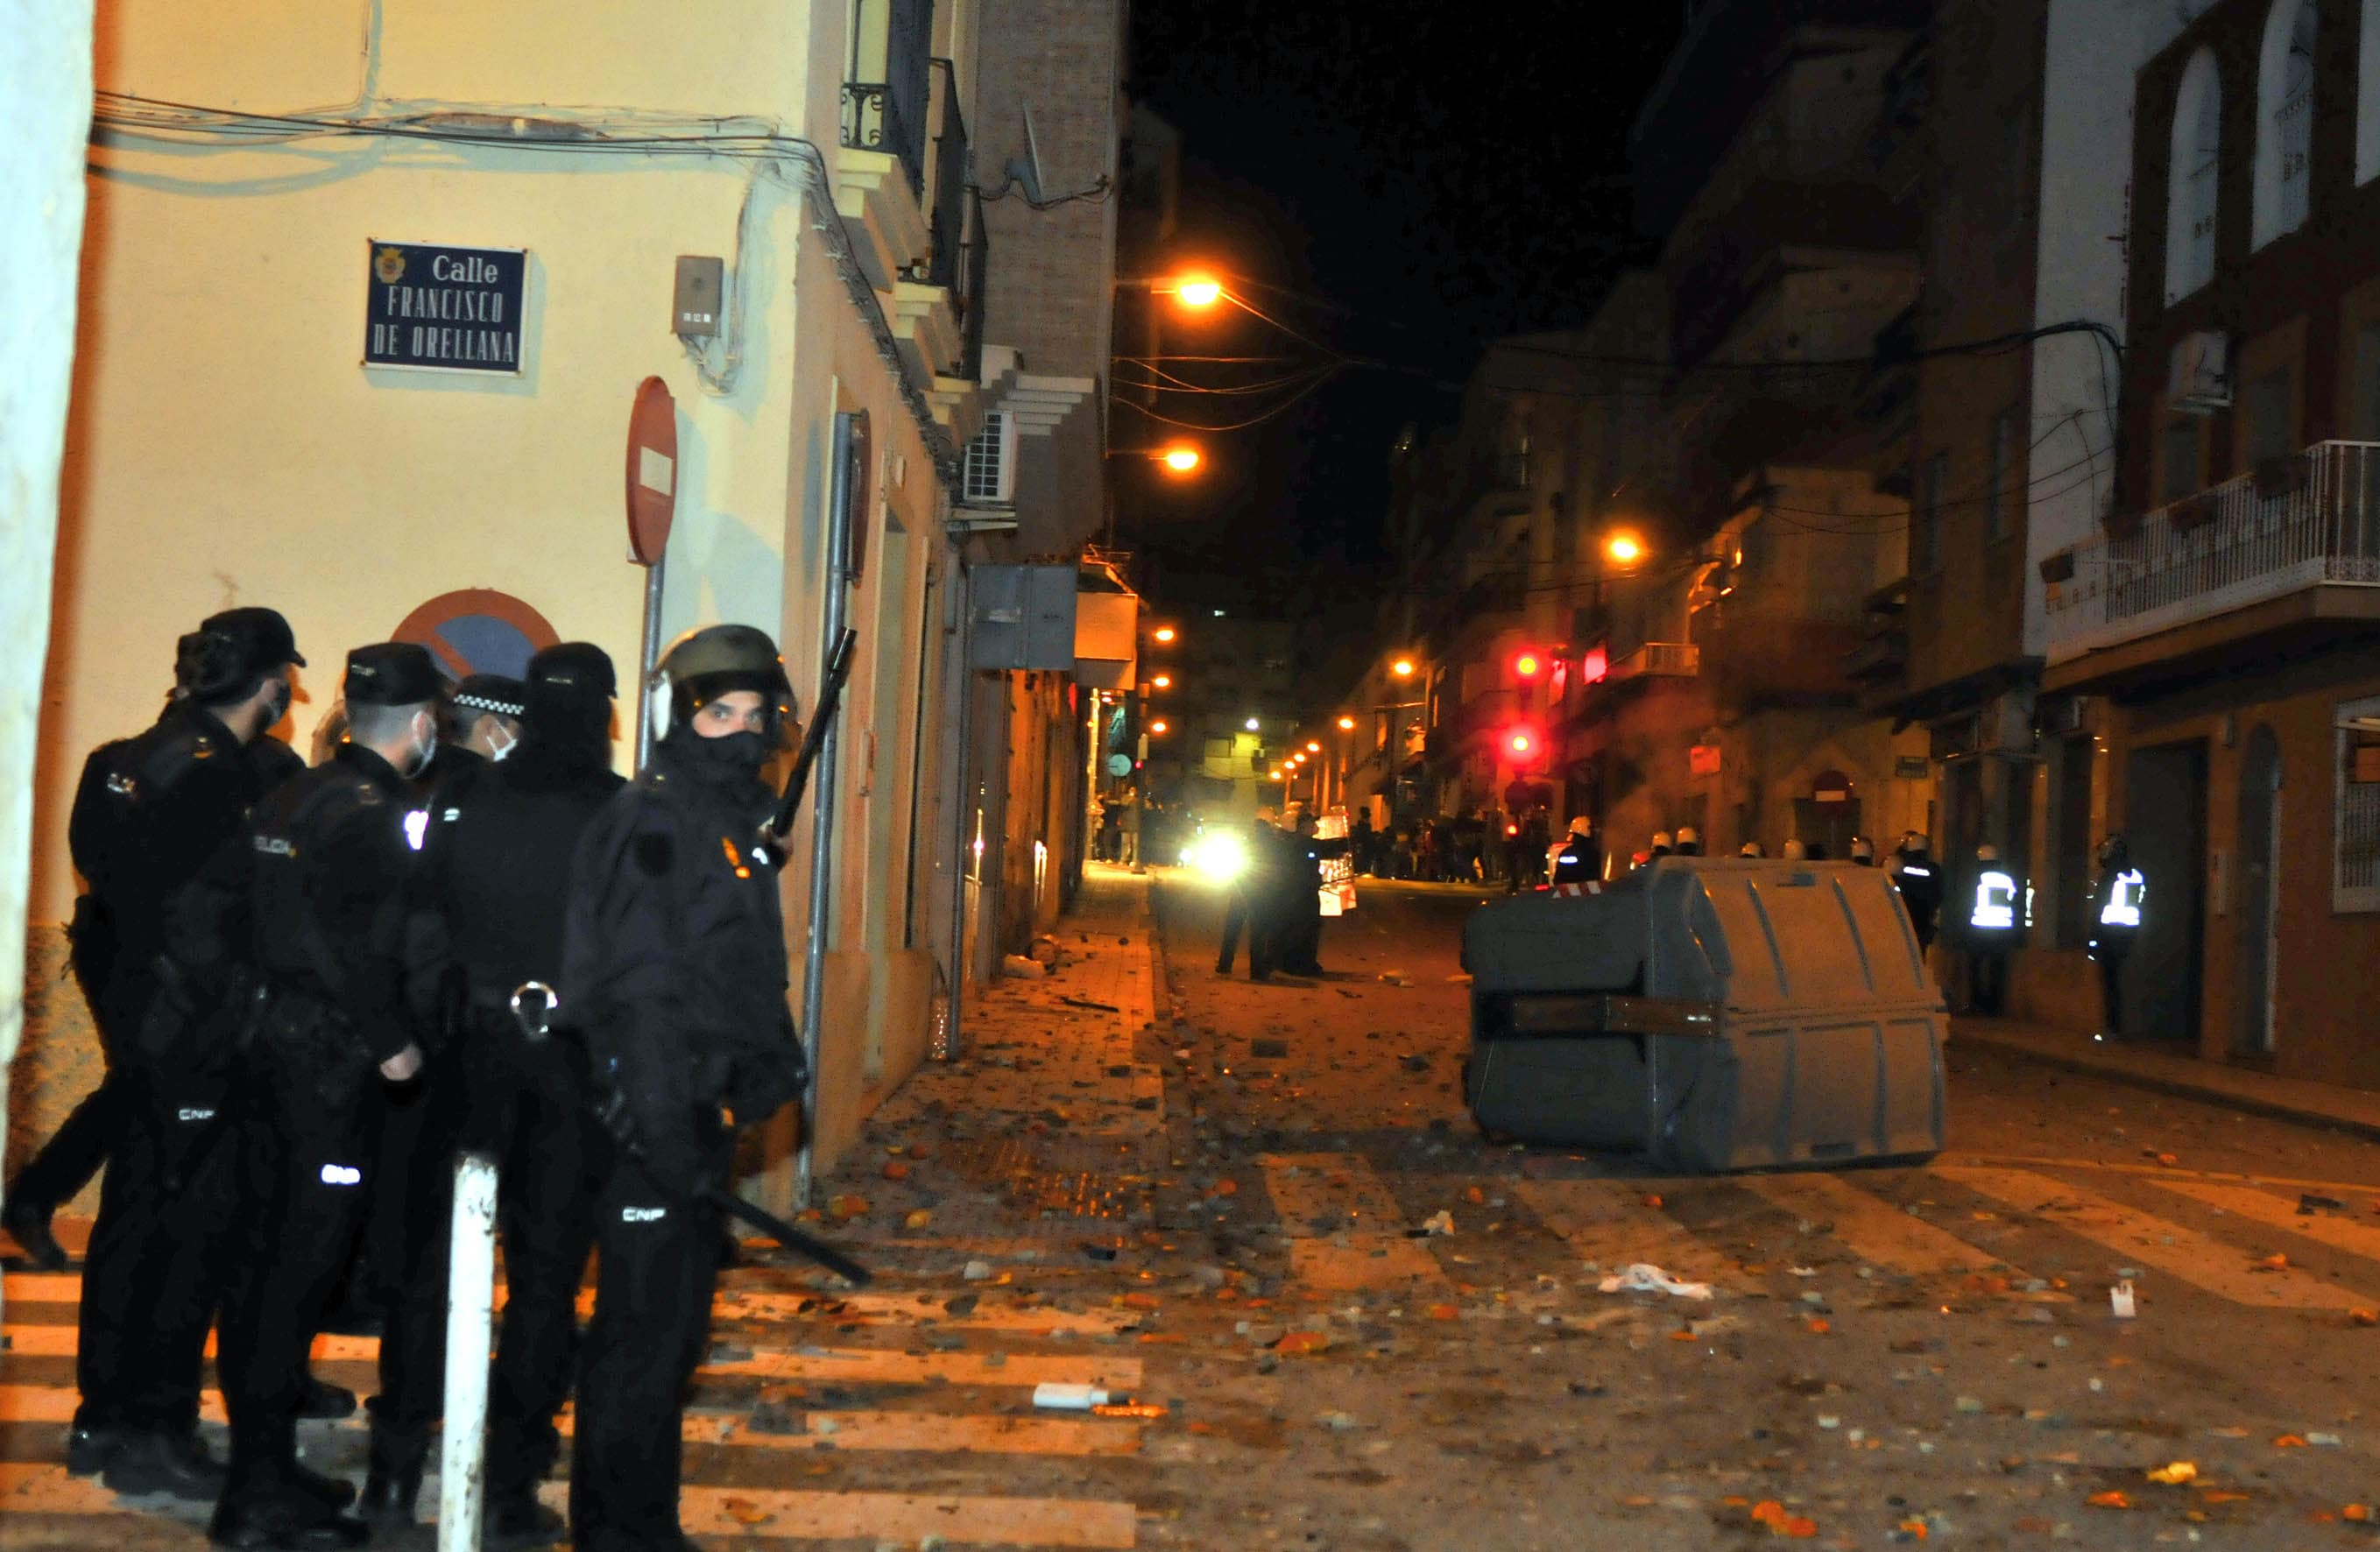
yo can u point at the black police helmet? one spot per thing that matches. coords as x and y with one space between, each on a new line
703 665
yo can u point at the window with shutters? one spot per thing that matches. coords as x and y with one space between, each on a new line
2192 177
988 473
2355 875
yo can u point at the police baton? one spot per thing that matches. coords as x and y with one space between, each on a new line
830 696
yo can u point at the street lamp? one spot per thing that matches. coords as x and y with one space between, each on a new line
1251 724
1164 633
1624 548
1158 727
1181 459
1402 668
1198 292
1311 747
1346 724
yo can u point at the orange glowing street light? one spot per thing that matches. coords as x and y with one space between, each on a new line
1522 743
1158 727
1346 724
1624 547
1198 291
1181 459
1162 682
1402 668
1165 633
1311 747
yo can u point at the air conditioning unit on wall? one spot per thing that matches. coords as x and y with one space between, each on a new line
2198 381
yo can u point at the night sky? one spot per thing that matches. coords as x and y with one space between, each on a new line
1418 177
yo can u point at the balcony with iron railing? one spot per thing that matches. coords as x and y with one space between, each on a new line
885 85
2294 544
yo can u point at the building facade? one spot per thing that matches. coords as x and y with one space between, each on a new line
2221 620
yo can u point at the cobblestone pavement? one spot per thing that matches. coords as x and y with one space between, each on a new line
1215 1198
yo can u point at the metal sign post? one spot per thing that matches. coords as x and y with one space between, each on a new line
470 1324
653 503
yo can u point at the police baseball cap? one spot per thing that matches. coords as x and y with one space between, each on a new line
263 636
498 693
391 673
578 667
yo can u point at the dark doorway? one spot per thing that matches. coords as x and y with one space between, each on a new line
2165 822
2259 893
1963 816
1830 825
2073 833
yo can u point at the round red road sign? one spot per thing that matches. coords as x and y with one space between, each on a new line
652 471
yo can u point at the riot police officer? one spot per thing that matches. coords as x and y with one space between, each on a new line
483 950
1253 903
674 973
1690 841
1994 925
1862 852
151 813
2118 898
1578 855
1919 880
321 899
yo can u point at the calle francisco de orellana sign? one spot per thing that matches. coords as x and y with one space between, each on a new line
439 309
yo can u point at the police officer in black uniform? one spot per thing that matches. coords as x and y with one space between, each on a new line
319 894
227 645
484 715
1919 878
484 951
674 973
151 812
2118 897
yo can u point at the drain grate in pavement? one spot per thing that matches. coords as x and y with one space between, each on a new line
1059 1178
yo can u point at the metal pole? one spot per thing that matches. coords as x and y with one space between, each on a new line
649 658
836 606
1140 795
963 594
470 1321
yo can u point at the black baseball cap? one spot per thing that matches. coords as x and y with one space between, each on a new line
393 673
264 638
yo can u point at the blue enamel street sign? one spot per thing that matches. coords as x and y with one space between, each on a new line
443 309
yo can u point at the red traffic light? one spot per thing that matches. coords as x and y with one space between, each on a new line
1527 664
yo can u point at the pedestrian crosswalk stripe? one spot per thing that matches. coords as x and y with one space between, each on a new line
765 1514
1608 1223
922 1431
993 1314
1345 1230
1316 1194
1876 1229
957 1518
871 1430
58 1341
868 1365
2257 1207
2200 1260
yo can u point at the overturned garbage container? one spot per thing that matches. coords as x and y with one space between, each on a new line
1712 1015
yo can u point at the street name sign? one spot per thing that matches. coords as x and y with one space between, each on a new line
430 307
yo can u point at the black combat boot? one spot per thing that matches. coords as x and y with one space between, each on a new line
516 1521
394 1480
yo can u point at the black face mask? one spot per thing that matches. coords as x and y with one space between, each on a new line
736 755
276 706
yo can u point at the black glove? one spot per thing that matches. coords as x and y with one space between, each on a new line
765 1082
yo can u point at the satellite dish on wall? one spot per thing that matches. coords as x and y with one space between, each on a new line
1026 170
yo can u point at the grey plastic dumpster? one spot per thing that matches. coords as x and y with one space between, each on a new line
1712 1013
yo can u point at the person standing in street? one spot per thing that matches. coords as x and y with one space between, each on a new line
319 896
187 732
1919 878
675 975
151 813
1862 852
1252 904
483 950
2118 896
1993 926
1690 841
483 717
